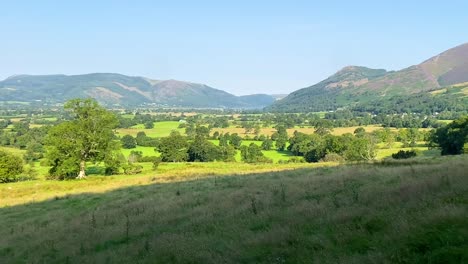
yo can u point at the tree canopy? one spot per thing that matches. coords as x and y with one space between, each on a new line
10 166
87 136
452 139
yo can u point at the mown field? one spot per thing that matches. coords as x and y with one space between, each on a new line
161 129
412 211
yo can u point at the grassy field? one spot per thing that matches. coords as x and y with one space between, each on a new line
15 151
41 189
147 151
161 129
413 211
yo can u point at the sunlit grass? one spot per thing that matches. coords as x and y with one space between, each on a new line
411 211
37 190
161 129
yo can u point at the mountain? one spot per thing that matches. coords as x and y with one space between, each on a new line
118 89
354 84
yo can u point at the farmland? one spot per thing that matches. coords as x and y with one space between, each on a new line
280 204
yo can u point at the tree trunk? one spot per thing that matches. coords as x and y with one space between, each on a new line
82 170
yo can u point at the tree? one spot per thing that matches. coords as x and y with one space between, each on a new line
34 152
135 156
88 136
145 141
281 137
253 154
323 127
10 167
235 140
128 142
361 149
173 148
202 131
359 132
452 139
267 144
202 150
227 153
149 125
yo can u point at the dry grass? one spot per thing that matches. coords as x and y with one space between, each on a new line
405 212
40 190
307 130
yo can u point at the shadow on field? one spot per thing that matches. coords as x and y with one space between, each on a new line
403 212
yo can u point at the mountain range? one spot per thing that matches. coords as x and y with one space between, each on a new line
118 89
355 85
446 73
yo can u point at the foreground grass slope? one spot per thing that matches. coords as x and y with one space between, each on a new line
405 212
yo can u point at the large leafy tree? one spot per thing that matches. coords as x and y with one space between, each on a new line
88 136
203 150
361 149
452 139
173 148
253 154
10 167
128 142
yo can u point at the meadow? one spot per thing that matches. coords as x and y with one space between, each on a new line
161 129
411 211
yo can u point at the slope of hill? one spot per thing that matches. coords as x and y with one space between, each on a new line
110 88
404 212
353 85
327 94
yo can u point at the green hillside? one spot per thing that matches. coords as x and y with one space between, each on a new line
327 94
354 85
117 89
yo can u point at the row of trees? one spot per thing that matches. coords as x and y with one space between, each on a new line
88 136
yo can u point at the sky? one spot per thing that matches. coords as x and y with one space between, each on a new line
242 47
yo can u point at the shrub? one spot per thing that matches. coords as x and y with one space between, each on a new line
333 157
131 169
295 160
149 159
402 154
156 163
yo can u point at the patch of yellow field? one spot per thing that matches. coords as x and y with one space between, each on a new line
460 84
307 130
441 91
464 91
16 119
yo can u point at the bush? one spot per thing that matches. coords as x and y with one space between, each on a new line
156 163
296 160
402 154
333 157
149 159
131 169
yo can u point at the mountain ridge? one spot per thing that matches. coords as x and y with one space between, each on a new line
119 89
352 85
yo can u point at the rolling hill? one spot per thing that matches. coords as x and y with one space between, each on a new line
354 84
117 89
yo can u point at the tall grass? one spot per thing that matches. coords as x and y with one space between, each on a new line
403 212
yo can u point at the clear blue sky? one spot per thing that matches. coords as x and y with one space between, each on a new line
242 47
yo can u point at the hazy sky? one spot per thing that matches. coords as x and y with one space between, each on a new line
242 47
